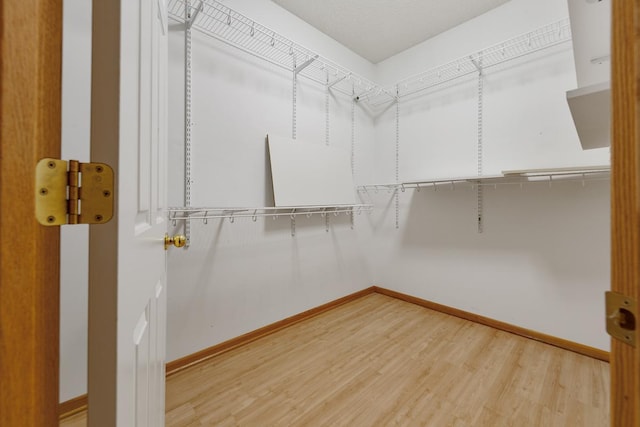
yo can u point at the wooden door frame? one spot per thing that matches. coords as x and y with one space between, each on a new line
103 239
30 123
625 200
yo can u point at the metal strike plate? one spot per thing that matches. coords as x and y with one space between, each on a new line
621 317
95 196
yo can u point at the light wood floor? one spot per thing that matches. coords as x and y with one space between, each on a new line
379 361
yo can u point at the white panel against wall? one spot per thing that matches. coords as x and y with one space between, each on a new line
307 174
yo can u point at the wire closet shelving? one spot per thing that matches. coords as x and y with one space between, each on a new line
222 23
539 39
533 176
216 20
204 214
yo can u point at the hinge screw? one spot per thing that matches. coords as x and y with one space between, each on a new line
99 169
106 193
44 191
98 217
51 165
51 218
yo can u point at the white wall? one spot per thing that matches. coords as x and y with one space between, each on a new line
543 260
74 247
238 277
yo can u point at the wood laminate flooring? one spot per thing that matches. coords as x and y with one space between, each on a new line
379 361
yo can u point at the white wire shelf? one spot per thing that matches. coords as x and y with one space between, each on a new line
539 39
204 214
520 177
220 22
233 28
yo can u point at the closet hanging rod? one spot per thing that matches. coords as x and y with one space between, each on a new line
494 180
223 23
181 213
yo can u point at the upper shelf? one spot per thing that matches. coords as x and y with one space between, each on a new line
217 20
536 40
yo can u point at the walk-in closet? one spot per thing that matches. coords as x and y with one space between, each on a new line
374 224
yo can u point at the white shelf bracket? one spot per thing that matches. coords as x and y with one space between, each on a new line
336 81
476 64
191 19
304 65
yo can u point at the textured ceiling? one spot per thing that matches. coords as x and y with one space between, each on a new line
378 29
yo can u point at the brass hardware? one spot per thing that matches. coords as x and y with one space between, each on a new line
73 192
178 241
621 317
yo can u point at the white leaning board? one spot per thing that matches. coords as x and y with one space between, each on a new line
306 174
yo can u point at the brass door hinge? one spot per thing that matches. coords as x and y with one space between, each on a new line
621 317
73 192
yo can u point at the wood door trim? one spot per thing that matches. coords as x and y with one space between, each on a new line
595 353
625 199
30 126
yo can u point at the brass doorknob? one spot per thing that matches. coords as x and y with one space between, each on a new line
178 241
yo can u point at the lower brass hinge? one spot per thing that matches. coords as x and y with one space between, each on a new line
73 192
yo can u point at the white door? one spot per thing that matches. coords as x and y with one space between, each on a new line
127 290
